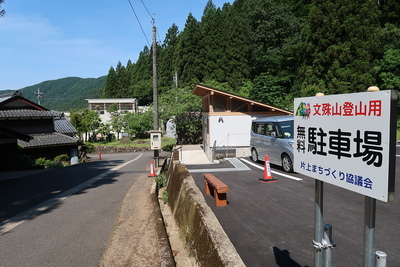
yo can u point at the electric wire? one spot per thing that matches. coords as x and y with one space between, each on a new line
134 12
153 20
146 9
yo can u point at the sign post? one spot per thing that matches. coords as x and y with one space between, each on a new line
348 140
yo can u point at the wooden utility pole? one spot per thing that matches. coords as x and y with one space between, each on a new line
155 91
38 95
155 82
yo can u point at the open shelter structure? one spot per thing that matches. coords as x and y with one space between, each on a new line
227 121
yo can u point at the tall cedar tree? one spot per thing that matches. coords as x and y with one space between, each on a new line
274 50
279 45
187 54
344 46
166 62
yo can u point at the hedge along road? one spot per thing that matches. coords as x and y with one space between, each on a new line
64 217
272 224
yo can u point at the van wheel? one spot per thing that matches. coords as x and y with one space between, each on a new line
254 155
287 164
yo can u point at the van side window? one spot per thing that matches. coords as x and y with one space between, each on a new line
260 128
270 128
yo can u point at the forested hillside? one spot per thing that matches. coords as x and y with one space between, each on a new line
66 94
272 51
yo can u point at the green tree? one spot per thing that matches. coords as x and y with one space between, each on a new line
389 70
187 53
137 124
111 87
2 11
86 122
166 60
344 46
267 89
390 10
176 101
278 37
91 123
116 121
141 76
76 119
189 128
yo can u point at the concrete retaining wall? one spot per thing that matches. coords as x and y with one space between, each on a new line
118 149
200 229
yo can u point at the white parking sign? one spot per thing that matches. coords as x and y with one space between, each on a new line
348 140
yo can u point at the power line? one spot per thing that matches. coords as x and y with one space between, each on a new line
139 22
146 8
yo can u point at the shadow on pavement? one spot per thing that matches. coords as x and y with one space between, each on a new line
283 258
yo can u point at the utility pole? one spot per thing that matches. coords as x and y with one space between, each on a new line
155 82
39 95
155 91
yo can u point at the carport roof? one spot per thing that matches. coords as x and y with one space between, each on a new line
203 90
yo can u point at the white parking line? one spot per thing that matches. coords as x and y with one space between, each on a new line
237 164
275 172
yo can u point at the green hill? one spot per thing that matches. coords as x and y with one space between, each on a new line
64 94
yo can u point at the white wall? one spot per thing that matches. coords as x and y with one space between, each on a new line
232 131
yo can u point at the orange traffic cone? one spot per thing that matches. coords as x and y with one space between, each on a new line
267 172
152 173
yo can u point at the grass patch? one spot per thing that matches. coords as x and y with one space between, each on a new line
136 142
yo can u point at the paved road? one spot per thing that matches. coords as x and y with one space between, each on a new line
272 224
78 206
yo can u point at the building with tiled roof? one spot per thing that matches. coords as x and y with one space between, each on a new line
37 131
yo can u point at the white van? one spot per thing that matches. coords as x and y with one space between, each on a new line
273 136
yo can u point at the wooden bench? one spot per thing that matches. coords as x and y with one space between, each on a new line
218 188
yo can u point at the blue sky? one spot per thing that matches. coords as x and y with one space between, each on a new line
46 40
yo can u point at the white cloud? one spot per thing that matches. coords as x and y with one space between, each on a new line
27 27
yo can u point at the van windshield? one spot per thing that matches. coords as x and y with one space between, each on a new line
287 128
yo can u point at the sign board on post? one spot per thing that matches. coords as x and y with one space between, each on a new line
348 140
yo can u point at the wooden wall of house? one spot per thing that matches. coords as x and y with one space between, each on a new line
30 126
9 156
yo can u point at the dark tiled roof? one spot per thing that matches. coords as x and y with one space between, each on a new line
26 114
12 133
62 125
48 139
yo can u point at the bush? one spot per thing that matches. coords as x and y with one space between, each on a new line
41 162
161 180
90 148
167 148
61 158
165 196
53 164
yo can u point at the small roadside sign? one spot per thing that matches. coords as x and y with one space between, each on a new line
348 140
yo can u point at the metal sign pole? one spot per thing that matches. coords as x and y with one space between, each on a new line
318 230
369 231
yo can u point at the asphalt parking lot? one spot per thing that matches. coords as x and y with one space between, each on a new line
272 224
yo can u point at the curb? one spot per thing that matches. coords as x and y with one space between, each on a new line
164 246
